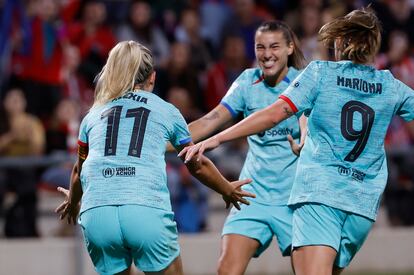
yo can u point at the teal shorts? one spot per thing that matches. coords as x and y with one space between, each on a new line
318 224
117 235
262 222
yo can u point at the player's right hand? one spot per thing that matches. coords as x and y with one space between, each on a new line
296 148
66 209
199 148
237 194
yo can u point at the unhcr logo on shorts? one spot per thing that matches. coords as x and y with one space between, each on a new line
126 171
344 171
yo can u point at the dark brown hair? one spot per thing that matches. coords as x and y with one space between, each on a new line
296 59
360 34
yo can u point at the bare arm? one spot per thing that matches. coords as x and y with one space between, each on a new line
253 124
257 122
75 193
207 125
303 125
206 172
71 205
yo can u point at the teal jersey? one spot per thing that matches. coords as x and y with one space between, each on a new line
127 140
350 106
270 162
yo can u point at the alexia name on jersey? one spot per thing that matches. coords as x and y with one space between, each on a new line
133 96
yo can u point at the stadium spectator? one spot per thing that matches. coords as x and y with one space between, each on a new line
181 99
14 38
189 32
38 69
141 27
310 23
62 128
342 169
93 37
395 15
243 22
399 192
21 135
223 72
398 59
270 161
180 73
61 141
121 182
75 84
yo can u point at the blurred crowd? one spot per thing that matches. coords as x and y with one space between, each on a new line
51 51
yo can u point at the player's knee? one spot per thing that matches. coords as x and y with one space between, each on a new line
227 267
221 267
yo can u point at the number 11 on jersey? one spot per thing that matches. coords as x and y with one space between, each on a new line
113 114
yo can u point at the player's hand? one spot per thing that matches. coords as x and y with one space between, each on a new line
67 210
296 148
199 148
237 195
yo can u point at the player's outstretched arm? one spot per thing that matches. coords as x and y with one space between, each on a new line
70 207
253 124
207 125
206 172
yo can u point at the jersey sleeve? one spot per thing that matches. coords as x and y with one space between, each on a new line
83 130
406 103
233 100
302 92
181 134
83 146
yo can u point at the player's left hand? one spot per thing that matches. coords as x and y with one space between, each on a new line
296 148
238 195
65 209
199 148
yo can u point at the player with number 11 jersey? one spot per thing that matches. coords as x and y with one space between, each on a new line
122 159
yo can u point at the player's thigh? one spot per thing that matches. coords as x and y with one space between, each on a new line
151 234
235 247
313 260
252 222
236 252
316 236
354 233
104 240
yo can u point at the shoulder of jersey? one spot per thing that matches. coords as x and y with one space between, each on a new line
251 76
293 72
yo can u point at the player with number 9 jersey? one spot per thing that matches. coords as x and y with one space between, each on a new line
342 168
343 162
